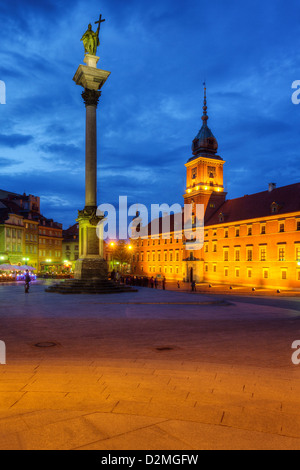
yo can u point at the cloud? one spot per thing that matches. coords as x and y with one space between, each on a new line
15 140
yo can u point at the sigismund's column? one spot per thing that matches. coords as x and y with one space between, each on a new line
90 264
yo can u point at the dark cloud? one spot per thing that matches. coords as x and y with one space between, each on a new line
14 140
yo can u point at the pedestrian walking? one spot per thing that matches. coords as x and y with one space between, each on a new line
27 281
152 282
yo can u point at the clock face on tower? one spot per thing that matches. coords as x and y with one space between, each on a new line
211 171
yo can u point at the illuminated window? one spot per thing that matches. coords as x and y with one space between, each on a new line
171 256
298 253
281 253
166 256
263 253
284 274
249 254
226 255
177 256
237 254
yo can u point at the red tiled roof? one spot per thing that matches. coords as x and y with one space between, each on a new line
258 205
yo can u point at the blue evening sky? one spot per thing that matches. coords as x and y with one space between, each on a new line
159 53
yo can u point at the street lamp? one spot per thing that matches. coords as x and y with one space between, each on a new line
25 259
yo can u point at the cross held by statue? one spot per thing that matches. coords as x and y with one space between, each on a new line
99 21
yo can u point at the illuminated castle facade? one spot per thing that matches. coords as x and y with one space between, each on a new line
252 240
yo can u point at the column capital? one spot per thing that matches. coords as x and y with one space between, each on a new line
91 97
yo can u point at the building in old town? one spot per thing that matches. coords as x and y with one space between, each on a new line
26 236
70 246
253 240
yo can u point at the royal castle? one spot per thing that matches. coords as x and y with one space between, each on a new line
253 240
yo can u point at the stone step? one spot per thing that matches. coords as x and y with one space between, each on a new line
96 286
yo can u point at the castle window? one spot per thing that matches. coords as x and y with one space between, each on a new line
237 232
298 226
226 234
214 268
265 273
237 272
263 229
298 253
281 253
206 268
249 231
226 272
284 274
281 227
226 255
237 254
194 173
249 254
263 254
249 273
214 247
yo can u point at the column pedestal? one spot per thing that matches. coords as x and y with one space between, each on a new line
91 264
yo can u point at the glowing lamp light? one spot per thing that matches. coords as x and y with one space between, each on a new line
205 188
129 247
189 190
112 244
197 188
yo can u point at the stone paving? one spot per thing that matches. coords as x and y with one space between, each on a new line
151 370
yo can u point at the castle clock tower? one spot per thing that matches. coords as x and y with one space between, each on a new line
204 185
204 181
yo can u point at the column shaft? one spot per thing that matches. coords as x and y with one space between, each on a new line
91 157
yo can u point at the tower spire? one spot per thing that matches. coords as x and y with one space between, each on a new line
204 117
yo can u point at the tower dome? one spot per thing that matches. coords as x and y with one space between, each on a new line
205 142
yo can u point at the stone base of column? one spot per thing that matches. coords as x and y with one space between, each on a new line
91 268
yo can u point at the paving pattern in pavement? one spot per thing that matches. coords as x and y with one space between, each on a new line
153 370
